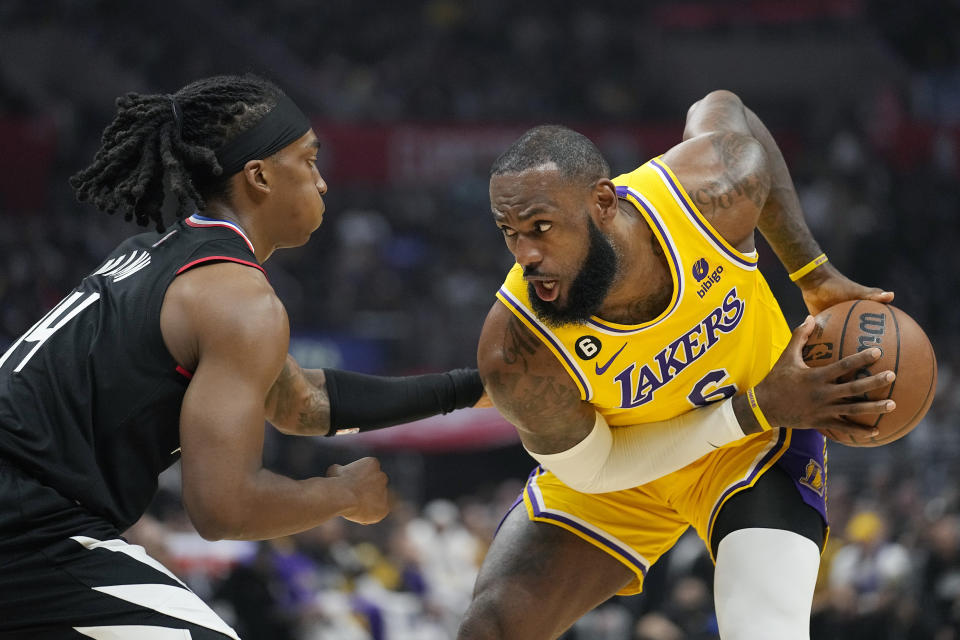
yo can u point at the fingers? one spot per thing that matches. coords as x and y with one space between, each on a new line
799 338
838 427
864 385
885 297
851 363
369 462
868 407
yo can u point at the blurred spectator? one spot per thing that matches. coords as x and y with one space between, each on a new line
940 577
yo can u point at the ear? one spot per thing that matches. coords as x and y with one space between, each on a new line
255 176
605 197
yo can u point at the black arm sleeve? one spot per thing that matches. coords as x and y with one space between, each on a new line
364 402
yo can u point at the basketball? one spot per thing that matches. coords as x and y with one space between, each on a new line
855 325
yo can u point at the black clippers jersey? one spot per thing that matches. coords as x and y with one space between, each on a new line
89 396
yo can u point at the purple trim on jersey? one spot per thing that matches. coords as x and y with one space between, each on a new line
199 221
696 218
543 513
520 309
655 219
509 511
750 478
805 457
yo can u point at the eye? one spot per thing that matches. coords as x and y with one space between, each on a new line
543 226
507 232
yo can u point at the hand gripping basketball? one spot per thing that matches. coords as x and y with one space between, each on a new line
797 396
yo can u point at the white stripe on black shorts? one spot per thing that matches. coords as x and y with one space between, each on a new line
107 590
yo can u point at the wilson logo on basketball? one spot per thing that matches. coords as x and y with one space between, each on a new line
872 327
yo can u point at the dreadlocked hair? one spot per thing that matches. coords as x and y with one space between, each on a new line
159 145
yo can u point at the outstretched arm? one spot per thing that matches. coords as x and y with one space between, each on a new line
317 402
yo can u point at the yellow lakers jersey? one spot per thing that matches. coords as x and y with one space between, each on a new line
720 334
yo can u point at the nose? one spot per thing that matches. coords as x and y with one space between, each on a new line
321 185
527 252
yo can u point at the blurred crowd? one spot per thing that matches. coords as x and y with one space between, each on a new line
408 270
890 570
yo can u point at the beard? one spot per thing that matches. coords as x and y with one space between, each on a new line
589 287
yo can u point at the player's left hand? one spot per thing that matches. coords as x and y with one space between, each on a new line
825 286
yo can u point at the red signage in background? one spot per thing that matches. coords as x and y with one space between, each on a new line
465 430
26 161
434 154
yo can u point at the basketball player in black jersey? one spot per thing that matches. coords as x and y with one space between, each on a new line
176 347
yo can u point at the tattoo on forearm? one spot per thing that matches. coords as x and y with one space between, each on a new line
782 222
280 395
315 414
783 226
296 400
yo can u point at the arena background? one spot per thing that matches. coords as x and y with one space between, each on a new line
412 101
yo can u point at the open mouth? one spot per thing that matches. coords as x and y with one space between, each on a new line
547 290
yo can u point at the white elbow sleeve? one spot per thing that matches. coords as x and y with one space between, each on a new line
624 457
579 466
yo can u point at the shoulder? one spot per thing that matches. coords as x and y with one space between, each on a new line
230 291
507 344
521 375
727 176
223 308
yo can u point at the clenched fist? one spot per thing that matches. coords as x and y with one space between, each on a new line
368 484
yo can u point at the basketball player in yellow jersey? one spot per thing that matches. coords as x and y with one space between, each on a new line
649 370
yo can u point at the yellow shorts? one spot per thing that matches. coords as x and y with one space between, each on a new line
638 525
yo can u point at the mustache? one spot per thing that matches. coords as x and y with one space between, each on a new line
533 272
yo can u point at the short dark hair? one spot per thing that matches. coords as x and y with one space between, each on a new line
574 154
150 148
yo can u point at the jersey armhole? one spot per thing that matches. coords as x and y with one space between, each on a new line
209 259
680 195
553 343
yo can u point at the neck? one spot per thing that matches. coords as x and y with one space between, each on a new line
222 211
643 287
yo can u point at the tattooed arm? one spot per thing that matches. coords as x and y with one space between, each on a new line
723 118
781 218
723 167
297 403
311 402
529 386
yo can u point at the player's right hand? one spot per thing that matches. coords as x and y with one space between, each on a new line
801 397
369 486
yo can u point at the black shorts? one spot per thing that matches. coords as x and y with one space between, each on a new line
772 503
64 574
